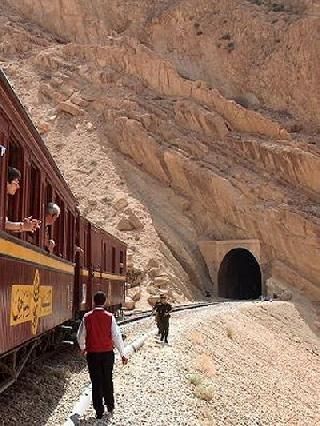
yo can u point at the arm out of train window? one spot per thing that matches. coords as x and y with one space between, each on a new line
28 225
49 244
81 336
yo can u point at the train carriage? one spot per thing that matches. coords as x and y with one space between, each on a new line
39 291
102 266
36 290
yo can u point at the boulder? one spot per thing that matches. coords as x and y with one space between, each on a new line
129 223
43 127
136 296
49 92
89 126
129 303
69 108
153 299
162 281
78 100
135 221
125 225
152 263
120 203
154 272
152 290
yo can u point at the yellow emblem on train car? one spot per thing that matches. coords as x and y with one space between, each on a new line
30 303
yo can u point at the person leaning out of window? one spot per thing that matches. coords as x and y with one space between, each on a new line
52 214
13 185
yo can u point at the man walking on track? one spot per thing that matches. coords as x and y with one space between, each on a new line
163 309
98 334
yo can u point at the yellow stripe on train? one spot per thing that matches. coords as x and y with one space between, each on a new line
11 249
96 274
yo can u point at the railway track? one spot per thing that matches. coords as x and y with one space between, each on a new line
137 316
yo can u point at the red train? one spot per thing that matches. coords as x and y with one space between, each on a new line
40 292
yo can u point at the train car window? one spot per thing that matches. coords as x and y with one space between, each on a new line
84 245
14 203
114 254
33 202
105 259
96 248
85 249
59 229
3 168
70 237
49 194
121 262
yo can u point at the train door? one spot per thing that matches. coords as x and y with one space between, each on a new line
3 167
77 293
89 266
96 260
84 264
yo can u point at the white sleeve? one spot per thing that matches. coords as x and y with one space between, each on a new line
117 337
81 335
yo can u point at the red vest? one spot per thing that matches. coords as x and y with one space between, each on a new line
98 325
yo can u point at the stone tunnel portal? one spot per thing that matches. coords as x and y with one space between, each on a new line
239 275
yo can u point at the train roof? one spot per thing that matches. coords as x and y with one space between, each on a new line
99 229
21 109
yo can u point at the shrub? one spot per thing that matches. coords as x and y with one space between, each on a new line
230 333
205 364
195 379
204 392
226 36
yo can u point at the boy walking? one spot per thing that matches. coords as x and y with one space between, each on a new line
97 335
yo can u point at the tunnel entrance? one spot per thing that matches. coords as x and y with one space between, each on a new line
239 275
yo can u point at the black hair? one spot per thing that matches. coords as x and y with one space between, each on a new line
13 174
99 298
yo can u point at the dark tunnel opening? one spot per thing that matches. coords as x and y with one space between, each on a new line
239 276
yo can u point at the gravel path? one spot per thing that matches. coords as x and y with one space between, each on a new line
45 393
248 364
152 389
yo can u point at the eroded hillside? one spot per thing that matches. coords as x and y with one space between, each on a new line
144 130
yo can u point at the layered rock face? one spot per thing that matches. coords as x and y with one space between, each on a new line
204 166
271 63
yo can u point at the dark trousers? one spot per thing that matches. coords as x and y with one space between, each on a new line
158 324
164 328
100 366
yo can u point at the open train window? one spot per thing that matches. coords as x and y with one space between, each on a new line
33 201
114 253
48 195
14 203
121 262
70 234
3 168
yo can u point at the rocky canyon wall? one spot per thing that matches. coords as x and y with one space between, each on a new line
270 63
